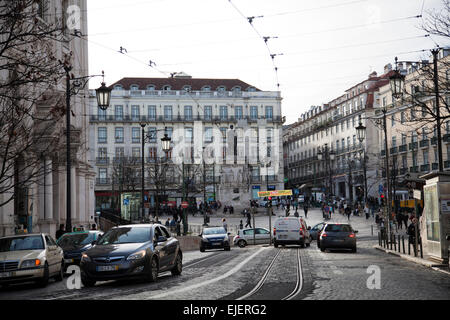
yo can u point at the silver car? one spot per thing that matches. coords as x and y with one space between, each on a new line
315 230
338 236
251 236
30 257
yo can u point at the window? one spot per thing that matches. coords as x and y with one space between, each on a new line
269 135
208 134
152 112
425 157
168 131
134 87
136 152
135 113
151 87
102 153
223 112
208 112
168 113
120 152
403 139
118 111
152 152
223 131
167 87
206 88
119 135
392 121
135 135
402 117
187 88
189 135
102 136
102 173
394 141
238 112
188 112
254 112
269 112
152 135
101 114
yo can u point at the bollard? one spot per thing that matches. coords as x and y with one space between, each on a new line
415 249
409 248
398 244
395 243
403 244
390 240
379 239
371 228
421 252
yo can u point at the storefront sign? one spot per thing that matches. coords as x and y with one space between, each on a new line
275 193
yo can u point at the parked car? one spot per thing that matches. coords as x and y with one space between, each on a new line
245 237
315 230
214 238
75 243
30 257
291 230
338 236
131 251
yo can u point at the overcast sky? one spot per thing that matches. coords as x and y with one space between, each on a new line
323 46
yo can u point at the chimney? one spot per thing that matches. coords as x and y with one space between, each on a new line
387 68
373 75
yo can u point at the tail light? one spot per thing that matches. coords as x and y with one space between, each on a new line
323 234
352 235
274 231
301 231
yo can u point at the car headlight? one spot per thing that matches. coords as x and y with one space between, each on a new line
137 255
85 258
31 263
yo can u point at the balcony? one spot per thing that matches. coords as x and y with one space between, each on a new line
413 146
393 150
446 137
425 168
102 160
255 179
403 171
434 166
447 164
272 178
424 143
383 153
414 169
402 148
102 181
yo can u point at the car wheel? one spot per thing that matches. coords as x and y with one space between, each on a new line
202 249
308 244
87 282
275 244
178 268
241 243
152 270
354 249
227 248
322 249
302 244
44 281
60 275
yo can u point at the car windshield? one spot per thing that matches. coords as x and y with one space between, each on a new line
126 235
79 239
338 228
209 231
21 243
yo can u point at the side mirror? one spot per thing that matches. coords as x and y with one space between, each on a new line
161 239
355 231
448 237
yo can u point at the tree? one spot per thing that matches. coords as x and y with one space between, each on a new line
31 99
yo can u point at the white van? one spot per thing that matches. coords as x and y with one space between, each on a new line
291 230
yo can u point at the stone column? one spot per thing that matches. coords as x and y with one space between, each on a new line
48 180
74 192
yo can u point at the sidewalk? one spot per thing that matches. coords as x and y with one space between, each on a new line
418 260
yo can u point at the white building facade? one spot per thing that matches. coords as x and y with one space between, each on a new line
226 129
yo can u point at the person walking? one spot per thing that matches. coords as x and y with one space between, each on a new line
249 219
305 209
225 225
348 211
367 211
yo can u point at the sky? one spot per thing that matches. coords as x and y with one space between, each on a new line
321 47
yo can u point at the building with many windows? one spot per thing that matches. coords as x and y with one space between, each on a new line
225 137
322 153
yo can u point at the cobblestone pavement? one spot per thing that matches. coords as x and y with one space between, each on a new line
229 275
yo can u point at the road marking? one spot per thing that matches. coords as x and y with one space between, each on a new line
205 283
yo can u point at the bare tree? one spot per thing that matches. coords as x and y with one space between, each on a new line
30 105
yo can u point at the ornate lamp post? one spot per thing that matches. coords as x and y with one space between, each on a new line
103 98
361 133
329 156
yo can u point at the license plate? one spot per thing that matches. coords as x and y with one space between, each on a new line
68 260
283 236
5 274
107 268
217 244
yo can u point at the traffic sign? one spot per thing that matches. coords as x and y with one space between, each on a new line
126 202
184 204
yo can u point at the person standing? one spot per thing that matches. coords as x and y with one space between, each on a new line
305 209
367 211
60 232
224 223
348 211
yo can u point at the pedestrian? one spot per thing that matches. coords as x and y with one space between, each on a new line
94 226
305 209
249 219
167 222
367 211
231 209
60 232
178 228
399 219
224 223
348 211
241 225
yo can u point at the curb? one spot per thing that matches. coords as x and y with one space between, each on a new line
423 262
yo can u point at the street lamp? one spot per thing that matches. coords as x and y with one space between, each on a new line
361 133
397 82
328 155
103 99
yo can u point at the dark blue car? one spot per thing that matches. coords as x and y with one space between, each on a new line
214 238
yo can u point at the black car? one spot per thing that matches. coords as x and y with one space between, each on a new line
131 251
75 243
214 238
